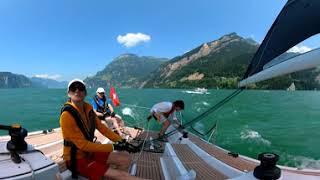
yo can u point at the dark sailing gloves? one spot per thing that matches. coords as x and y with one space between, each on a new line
119 146
125 146
112 114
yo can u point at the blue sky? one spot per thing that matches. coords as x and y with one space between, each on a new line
65 39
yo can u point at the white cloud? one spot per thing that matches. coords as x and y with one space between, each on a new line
133 39
299 49
46 76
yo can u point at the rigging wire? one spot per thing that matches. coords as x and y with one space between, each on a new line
206 113
201 116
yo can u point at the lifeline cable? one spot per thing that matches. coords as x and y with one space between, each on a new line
201 116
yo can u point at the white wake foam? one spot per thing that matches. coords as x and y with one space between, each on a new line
205 103
127 111
302 162
201 105
199 126
307 162
251 135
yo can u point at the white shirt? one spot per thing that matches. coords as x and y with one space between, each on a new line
164 107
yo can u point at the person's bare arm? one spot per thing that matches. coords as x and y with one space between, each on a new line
158 116
111 108
175 119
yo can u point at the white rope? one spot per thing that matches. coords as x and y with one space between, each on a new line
180 118
29 164
214 130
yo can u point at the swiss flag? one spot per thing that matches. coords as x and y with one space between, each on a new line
114 97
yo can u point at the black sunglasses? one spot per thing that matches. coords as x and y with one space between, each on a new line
77 85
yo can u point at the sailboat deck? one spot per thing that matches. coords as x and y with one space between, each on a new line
148 164
238 162
191 161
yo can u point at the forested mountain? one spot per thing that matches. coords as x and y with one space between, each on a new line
221 64
127 70
217 64
10 80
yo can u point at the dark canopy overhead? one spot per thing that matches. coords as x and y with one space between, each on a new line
297 21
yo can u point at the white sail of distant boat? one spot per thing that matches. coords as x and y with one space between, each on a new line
292 87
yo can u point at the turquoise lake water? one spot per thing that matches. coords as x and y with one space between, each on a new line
287 123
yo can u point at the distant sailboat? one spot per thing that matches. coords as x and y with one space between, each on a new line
197 91
292 87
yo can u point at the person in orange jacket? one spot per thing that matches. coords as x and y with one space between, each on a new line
83 156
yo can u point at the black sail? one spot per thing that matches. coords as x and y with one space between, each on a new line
297 21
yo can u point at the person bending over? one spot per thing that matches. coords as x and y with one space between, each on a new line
165 113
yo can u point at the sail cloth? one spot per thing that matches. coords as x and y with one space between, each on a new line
297 21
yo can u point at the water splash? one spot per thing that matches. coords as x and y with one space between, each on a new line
200 106
127 111
251 135
205 103
308 162
302 162
199 126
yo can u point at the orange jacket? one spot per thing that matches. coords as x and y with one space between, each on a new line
71 132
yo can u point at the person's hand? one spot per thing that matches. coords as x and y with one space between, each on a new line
112 114
132 149
125 146
119 146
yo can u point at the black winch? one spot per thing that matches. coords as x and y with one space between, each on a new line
267 170
17 142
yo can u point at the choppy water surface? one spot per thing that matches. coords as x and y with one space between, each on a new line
287 123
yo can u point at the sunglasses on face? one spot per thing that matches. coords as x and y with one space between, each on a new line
77 85
101 93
